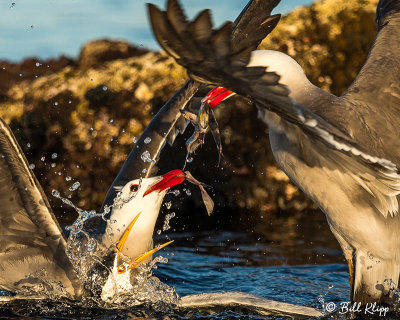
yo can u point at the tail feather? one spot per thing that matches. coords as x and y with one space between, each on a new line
375 279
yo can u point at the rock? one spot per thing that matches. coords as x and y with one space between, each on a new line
97 52
88 112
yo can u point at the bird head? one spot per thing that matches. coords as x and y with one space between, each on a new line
144 197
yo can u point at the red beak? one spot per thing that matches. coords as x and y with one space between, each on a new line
168 180
216 96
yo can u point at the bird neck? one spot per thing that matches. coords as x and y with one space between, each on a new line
141 235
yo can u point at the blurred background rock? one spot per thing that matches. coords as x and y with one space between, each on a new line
76 119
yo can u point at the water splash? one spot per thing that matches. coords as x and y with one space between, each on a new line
96 264
167 220
75 186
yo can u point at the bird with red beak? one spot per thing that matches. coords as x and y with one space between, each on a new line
134 215
135 211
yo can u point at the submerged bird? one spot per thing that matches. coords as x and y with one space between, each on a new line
343 152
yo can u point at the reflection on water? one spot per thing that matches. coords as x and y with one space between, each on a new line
293 260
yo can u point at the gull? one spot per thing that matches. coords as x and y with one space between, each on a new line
33 247
342 152
32 244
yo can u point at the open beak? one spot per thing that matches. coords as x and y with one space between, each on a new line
216 96
136 261
168 180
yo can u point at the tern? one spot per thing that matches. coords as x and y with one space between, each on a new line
343 152
32 243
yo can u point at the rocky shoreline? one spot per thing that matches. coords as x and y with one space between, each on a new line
76 118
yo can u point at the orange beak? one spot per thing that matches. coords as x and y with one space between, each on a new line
216 96
168 180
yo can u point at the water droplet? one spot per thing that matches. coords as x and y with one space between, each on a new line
56 103
68 178
28 145
147 140
20 74
112 120
176 193
189 160
144 170
54 156
146 157
37 64
75 186
69 101
188 192
168 205
55 193
53 165
134 140
105 88
158 232
42 159
12 5
78 225
31 166
91 245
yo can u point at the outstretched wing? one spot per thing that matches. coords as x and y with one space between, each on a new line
32 245
375 93
169 122
210 58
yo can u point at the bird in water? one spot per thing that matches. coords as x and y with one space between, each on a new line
33 247
342 151
32 243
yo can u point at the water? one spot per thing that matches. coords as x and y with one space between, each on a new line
63 26
262 263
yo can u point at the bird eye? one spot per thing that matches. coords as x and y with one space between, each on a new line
134 187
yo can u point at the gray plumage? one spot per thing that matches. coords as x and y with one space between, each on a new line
343 152
168 122
32 245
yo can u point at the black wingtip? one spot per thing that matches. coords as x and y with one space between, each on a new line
176 16
384 9
201 26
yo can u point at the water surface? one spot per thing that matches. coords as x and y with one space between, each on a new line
293 259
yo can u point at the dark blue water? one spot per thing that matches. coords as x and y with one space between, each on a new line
49 28
293 259
217 265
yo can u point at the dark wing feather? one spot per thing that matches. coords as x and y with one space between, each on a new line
201 26
254 23
384 9
169 117
32 244
263 87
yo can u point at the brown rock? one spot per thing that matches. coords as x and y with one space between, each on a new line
97 52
